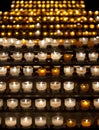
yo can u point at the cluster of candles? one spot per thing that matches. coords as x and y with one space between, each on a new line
42 121
43 86
68 104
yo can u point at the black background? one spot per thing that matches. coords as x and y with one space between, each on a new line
90 5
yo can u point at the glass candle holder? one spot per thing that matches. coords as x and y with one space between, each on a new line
29 56
81 70
3 71
25 103
70 103
17 56
18 43
12 103
28 70
71 123
84 87
84 40
40 121
55 56
14 86
15 71
55 103
27 86
4 56
30 43
85 104
80 56
54 43
68 86
68 70
26 121
1 103
67 57
2 86
55 86
95 86
94 70
41 86
42 71
55 71
96 103
86 123
57 121
40 103
42 56
10 121
93 56
43 43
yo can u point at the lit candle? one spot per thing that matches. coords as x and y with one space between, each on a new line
97 18
25 103
4 56
38 25
29 56
94 70
18 43
70 103
10 121
40 103
54 43
42 56
95 86
55 86
68 70
14 86
17 56
27 86
26 121
28 70
3 71
57 121
71 123
55 71
12 103
55 56
83 40
85 104
15 70
96 103
80 56
37 33
42 71
43 43
81 70
67 57
68 86
30 43
86 123
84 87
41 86
40 121
55 103
93 56
2 86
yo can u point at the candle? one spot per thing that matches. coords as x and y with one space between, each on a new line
57 121
81 70
41 86
37 33
18 43
96 103
15 71
2 86
83 40
93 56
86 123
14 86
97 18
95 86
54 43
30 43
40 121
29 56
70 103
43 43
94 70
3 71
25 103
42 72
28 70
10 121
84 87
55 86
68 86
12 103
55 103
26 121
55 71
38 25
67 57
3 56
40 103
42 56
55 56
80 56
68 70
85 104
71 123
1 103
27 86
17 56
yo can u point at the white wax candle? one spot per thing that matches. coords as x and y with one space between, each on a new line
83 40
40 121
95 86
55 85
37 33
96 103
42 56
27 86
14 86
57 121
80 56
18 44
93 56
29 56
70 103
10 121
55 55
3 56
26 121
81 70
30 43
40 103
41 86
17 56
68 70
95 70
14 71
28 70
42 43
2 86
68 86
3 71
12 103
25 103
55 102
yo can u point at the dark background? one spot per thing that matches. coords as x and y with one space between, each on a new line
90 5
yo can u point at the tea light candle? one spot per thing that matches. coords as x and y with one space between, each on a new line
4 56
71 123
68 86
40 103
81 70
3 71
55 71
1 103
25 103
96 103
41 86
57 121
68 70
55 56
37 33
70 103
67 57
28 70
84 87
17 56
30 43
93 56
95 86
2 86
38 25
85 104
14 86
55 85
15 71
54 43
80 56
26 121
86 123
94 70
42 56
97 18
40 121
27 86
29 56
10 121
55 102
43 43
12 103
42 72
18 43
84 40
